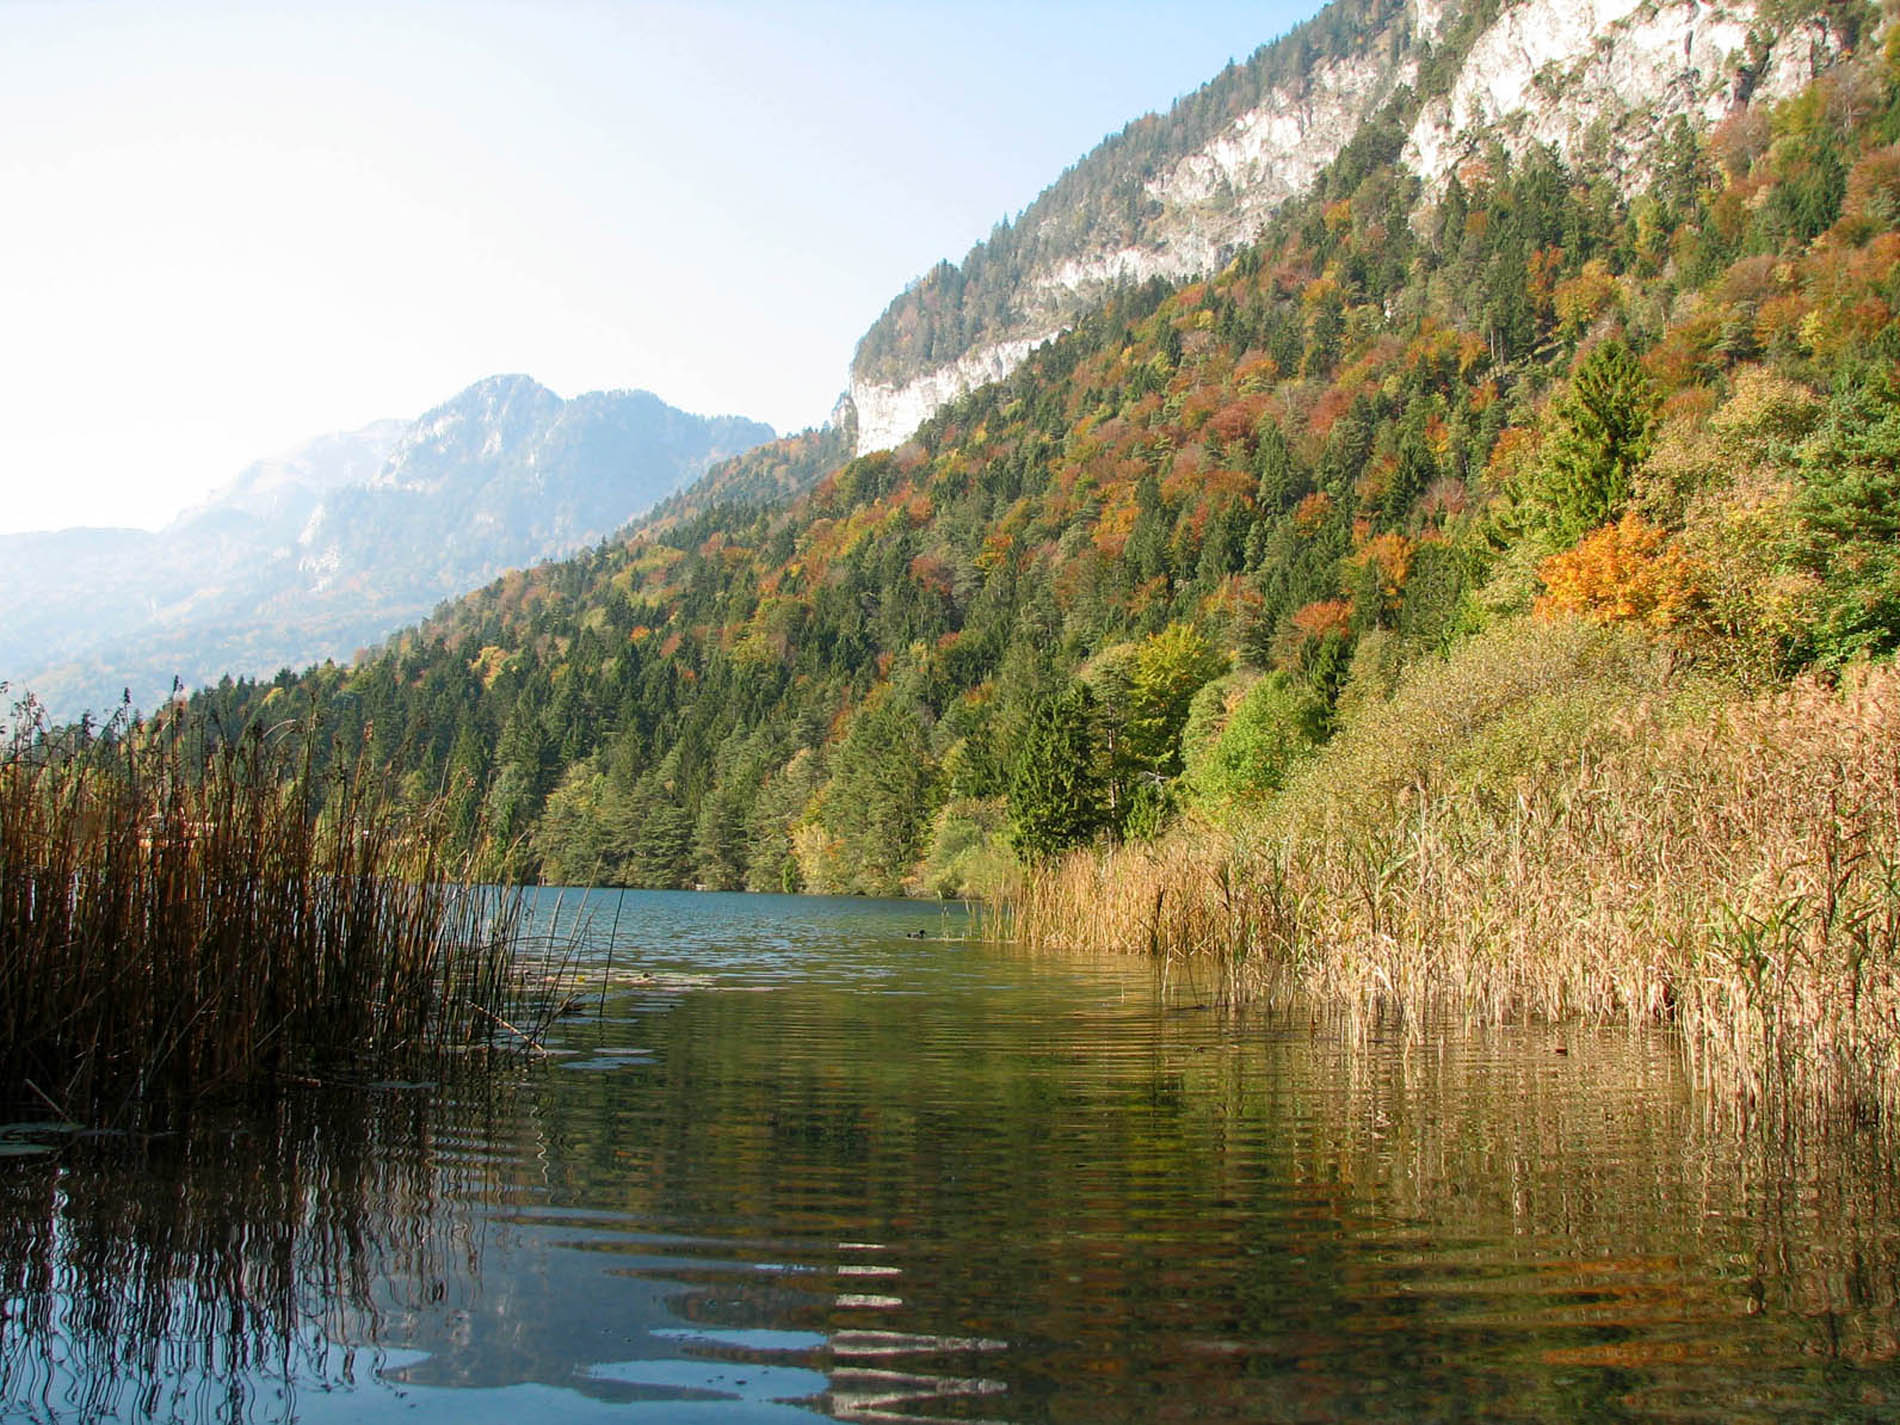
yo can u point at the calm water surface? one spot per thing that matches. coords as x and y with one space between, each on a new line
804 1165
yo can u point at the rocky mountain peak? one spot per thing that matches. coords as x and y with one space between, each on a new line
1174 196
489 422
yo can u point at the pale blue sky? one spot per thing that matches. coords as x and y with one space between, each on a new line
230 227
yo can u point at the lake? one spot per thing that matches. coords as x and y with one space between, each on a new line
809 1158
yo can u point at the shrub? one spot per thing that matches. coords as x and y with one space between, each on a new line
1252 736
1627 572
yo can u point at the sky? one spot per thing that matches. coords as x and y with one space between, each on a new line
227 228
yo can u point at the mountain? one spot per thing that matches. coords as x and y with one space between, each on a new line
503 475
324 550
1595 425
1174 196
73 590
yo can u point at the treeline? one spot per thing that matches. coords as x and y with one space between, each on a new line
1151 571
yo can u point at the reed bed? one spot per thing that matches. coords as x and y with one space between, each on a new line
1736 875
178 917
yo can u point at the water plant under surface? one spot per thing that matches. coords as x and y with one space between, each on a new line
176 920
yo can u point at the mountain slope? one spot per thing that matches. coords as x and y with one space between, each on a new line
324 551
1174 196
74 589
1182 543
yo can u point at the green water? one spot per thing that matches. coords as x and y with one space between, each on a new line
805 1165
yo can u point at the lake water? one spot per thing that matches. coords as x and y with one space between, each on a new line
797 1164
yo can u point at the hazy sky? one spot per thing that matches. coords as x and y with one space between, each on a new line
226 228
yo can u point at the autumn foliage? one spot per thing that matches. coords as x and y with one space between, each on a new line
1626 572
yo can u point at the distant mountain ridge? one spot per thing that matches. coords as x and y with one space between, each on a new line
331 546
1174 195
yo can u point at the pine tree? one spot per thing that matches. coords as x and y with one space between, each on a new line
1055 790
1600 432
656 831
878 802
1850 507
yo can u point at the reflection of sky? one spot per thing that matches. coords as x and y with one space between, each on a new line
584 1311
518 1405
571 1315
599 1315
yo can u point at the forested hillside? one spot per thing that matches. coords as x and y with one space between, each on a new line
328 550
1148 573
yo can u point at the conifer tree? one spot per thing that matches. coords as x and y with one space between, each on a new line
1850 505
1055 790
878 802
1600 432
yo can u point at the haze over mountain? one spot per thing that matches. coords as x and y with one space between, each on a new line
326 549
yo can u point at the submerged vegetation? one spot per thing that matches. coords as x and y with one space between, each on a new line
177 918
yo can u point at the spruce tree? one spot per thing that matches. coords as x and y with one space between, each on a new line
1849 503
1055 789
1600 432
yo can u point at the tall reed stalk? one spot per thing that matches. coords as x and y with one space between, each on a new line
177 917
1738 877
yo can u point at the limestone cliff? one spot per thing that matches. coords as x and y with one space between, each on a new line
1174 195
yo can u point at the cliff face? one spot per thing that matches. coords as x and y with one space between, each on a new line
1606 79
1173 196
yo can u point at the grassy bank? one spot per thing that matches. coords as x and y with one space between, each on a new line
174 921
1555 823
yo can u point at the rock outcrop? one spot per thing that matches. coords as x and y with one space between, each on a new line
1603 81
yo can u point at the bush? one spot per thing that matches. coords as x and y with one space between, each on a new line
968 855
1260 732
1507 702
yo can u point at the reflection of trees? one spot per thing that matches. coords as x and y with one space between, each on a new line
989 1201
1281 1218
185 1275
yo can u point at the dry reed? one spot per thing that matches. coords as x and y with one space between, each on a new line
177 919
1738 877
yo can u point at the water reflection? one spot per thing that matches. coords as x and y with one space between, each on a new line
209 1272
893 1180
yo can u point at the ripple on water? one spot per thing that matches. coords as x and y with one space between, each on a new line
930 1181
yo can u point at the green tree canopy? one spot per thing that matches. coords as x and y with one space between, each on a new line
879 800
1055 787
1850 505
1170 668
1598 433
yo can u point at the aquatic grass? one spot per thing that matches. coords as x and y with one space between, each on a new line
183 913
1734 873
